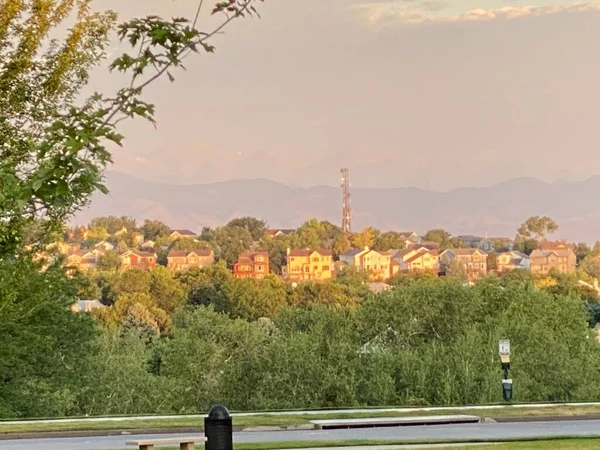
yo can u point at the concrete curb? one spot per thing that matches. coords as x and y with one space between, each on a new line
138 431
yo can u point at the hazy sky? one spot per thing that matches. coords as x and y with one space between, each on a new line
430 93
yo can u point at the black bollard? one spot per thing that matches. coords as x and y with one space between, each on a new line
218 429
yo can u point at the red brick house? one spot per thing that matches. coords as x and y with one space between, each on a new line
251 265
134 259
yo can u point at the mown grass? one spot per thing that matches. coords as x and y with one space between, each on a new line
282 420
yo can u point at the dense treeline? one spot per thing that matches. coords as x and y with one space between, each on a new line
178 344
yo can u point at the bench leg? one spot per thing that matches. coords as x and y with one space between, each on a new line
147 447
186 446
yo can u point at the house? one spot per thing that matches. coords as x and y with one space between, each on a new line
122 231
82 260
183 259
474 260
415 259
430 245
410 237
276 232
497 244
471 241
561 259
105 246
376 263
251 265
132 259
182 234
512 260
308 265
86 305
148 245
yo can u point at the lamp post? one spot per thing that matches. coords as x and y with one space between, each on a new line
507 383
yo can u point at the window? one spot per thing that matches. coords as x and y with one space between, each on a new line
325 268
482 266
476 258
292 259
477 265
296 269
315 268
316 259
260 268
306 269
260 259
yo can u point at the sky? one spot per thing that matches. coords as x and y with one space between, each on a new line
436 94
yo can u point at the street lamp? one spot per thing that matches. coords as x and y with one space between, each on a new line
507 384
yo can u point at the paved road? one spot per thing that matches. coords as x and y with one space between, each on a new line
457 432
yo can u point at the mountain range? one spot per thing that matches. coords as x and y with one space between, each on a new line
493 211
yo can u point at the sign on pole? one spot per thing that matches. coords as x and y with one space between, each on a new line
504 347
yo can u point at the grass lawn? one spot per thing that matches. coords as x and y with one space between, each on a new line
560 444
283 420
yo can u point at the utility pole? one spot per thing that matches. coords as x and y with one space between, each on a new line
346 213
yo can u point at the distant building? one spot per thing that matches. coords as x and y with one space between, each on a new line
147 245
561 259
86 305
471 241
134 259
376 263
183 259
415 259
252 265
181 234
474 260
497 244
308 265
82 259
275 232
104 245
410 238
512 260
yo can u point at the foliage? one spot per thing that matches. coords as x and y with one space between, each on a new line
230 242
315 234
112 224
537 227
443 238
108 261
153 229
44 347
366 238
256 227
388 241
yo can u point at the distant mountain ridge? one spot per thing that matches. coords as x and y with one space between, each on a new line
493 211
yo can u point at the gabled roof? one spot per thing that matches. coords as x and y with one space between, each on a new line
539 253
184 232
249 257
407 234
274 231
465 251
187 253
138 253
307 252
353 252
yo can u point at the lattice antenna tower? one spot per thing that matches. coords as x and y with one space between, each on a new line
346 212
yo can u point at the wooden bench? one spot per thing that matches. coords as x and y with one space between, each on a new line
185 443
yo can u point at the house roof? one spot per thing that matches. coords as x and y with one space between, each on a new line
540 253
138 253
184 232
308 252
249 257
274 231
406 234
186 253
353 251
465 251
